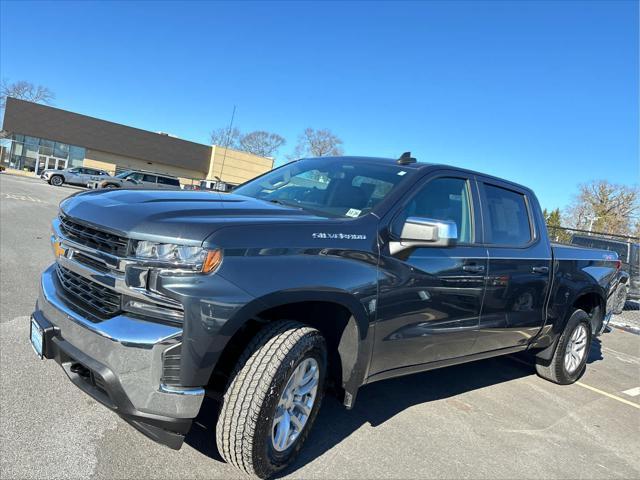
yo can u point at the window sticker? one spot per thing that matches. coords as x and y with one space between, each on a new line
353 212
401 173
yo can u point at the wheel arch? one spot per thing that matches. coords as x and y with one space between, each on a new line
592 302
339 316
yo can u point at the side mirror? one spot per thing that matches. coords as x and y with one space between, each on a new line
420 232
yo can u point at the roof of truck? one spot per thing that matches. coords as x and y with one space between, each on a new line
419 166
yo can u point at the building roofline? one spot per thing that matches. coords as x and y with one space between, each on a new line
89 117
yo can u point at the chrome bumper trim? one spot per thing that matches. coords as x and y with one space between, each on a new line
131 348
181 390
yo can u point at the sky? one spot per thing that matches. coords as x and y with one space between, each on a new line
542 93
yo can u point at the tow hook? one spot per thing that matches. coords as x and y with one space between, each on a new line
80 370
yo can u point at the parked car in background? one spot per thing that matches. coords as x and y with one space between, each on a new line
215 185
138 179
73 176
629 256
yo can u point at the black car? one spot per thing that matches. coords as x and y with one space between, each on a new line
326 272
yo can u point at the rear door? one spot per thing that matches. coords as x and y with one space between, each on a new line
430 298
74 176
518 276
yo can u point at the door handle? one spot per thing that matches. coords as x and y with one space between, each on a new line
473 268
544 270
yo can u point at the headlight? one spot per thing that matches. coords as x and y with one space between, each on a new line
197 258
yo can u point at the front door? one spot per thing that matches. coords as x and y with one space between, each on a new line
514 307
42 165
50 163
430 299
60 163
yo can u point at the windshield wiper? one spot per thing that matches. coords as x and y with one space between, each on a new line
277 201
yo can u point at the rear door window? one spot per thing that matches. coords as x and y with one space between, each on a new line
149 178
506 217
169 181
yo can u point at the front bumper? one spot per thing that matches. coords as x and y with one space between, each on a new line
123 358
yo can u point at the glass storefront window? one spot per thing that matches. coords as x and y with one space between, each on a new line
46 147
17 149
61 150
31 151
23 152
76 155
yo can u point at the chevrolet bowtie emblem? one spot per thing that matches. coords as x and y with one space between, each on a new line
58 251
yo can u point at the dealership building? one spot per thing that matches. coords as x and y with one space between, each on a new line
39 137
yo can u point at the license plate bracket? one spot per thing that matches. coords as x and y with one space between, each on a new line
36 337
41 333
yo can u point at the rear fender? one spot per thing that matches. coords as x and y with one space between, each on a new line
564 304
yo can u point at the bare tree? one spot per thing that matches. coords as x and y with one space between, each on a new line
25 91
605 207
261 143
317 143
225 137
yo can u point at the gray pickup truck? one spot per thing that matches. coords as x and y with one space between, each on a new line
323 275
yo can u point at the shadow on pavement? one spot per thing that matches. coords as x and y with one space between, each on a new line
202 435
376 404
381 401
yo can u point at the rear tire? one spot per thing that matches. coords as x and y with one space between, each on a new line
261 389
570 357
56 180
621 299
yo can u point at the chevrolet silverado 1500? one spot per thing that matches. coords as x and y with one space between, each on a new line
326 272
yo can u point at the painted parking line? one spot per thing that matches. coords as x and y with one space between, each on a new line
632 392
606 394
594 389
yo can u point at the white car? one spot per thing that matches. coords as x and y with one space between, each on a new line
73 176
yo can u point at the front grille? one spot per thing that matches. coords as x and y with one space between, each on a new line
99 299
94 238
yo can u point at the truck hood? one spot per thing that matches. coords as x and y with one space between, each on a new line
175 216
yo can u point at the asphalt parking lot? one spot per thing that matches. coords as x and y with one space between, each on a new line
489 419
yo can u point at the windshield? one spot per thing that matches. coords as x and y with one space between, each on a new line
124 174
334 187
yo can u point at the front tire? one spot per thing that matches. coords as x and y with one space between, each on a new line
56 180
272 399
570 357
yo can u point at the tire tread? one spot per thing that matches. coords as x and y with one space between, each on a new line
249 385
553 370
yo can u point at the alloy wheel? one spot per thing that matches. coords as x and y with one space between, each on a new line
576 349
295 404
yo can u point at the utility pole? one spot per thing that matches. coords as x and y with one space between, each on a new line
224 155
